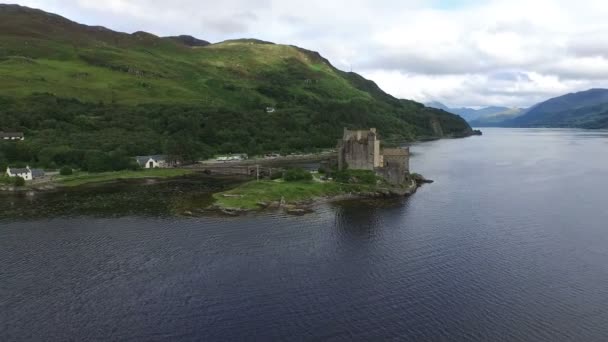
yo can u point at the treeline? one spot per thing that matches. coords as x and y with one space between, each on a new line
101 137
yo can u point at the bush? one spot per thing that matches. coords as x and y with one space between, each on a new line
66 171
298 174
276 175
355 177
19 181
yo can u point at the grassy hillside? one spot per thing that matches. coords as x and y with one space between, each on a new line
78 89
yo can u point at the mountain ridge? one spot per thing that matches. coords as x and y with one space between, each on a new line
152 95
583 109
479 116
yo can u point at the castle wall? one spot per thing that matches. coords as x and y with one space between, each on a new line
392 174
395 165
360 150
357 155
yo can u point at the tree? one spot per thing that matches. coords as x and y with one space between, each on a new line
297 174
97 161
19 181
66 171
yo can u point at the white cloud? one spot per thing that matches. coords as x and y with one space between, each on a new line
470 53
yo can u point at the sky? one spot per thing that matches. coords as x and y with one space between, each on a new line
460 52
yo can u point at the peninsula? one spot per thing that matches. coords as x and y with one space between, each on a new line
363 169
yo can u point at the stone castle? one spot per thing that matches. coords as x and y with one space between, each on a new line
360 150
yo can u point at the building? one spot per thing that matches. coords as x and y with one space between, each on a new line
360 150
270 110
27 173
152 162
395 165
12 136
232 157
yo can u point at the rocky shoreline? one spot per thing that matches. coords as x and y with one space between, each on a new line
307 206
18 189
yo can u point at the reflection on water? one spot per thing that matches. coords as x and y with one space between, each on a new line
509 244
147 197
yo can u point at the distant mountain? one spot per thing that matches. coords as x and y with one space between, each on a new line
497 119
585 109
482 117
438 105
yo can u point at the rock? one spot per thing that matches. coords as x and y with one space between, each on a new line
229 212
298 211
274 205
263 204
188 213
419 179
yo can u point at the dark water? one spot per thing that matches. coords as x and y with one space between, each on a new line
509 244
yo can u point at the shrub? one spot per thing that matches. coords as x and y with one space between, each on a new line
355 177
276 175
297 174
66 171
19 181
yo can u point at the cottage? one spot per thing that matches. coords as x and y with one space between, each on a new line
12 136
152 162
360 150
233 157
270 110
27 173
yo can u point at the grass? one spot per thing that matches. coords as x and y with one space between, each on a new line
86 178
248 195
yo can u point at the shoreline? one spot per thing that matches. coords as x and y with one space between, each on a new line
306 205
77 180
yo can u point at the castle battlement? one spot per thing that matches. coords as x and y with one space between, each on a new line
360 150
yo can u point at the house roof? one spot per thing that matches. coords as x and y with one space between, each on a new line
36 173
11 135
141 160
19 171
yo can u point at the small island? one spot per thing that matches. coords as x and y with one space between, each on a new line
363 170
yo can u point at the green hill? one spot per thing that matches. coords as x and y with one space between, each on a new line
79 90
585 109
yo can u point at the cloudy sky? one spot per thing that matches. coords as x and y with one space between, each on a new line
460 52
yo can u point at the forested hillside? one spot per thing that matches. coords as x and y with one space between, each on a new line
585 109
88 93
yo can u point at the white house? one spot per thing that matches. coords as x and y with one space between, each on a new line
11 136
152 162
27 173
23 173
233 157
